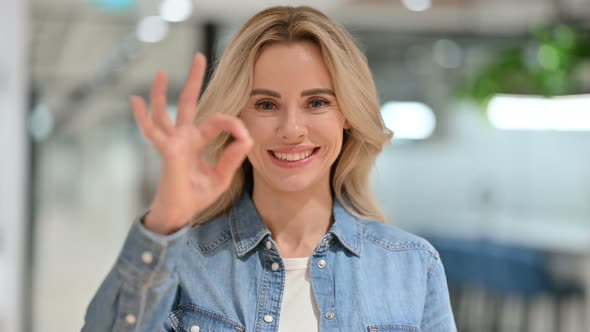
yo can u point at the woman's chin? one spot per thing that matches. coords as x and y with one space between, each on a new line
280 180
291 184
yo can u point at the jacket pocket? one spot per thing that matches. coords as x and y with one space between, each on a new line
190 318
393 328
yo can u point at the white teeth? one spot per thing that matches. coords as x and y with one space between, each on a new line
292 156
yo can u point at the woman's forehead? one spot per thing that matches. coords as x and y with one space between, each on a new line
291 65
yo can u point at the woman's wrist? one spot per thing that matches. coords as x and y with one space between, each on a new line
160 224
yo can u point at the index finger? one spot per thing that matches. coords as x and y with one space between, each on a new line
218 123
187 103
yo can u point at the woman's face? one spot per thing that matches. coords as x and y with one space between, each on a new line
293 116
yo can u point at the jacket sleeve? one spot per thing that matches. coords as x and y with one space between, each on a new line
141 288
437 315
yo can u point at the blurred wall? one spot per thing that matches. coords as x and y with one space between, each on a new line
530 187
13 168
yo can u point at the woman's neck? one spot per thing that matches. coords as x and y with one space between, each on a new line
297 220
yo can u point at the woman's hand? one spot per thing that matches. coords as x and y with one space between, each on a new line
187 184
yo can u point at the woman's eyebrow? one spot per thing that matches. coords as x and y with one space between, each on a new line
303 94
317 92
265 92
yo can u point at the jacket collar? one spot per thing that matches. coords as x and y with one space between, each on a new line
248 230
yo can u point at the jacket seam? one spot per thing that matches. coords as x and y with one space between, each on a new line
210 246
431 271
211 315
261 293
402 326
146 286
401 245
130 270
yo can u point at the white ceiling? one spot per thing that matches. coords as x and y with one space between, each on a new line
73 44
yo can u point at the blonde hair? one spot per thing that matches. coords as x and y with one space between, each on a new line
230 87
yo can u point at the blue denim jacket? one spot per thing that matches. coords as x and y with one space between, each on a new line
365 275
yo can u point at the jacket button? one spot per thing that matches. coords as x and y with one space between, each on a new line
322 264
268 318
195 328
268 245
130 319
147 257
275 266
329 315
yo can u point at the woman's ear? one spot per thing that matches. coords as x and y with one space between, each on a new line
346 124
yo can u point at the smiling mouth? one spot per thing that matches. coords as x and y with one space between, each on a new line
292 157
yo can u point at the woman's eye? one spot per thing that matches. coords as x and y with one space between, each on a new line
265 105
317 103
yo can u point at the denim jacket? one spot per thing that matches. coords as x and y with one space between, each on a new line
220 276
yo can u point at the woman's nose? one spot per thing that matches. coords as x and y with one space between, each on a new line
292 126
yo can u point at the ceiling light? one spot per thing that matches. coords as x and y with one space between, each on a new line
417 5
176 10
565 113
408 120
152 29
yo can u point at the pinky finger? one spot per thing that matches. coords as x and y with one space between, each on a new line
147 127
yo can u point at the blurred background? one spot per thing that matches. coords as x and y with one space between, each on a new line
489 102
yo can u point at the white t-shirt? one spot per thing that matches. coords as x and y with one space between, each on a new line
298 309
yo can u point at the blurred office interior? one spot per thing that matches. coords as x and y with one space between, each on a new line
489 101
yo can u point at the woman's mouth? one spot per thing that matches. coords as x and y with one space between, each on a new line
293 159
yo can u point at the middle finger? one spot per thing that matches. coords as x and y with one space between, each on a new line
158 103
187 104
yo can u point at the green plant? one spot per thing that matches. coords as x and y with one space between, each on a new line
545 65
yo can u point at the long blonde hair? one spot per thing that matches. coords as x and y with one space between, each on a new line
355 90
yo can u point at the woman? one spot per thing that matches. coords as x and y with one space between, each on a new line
278 231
